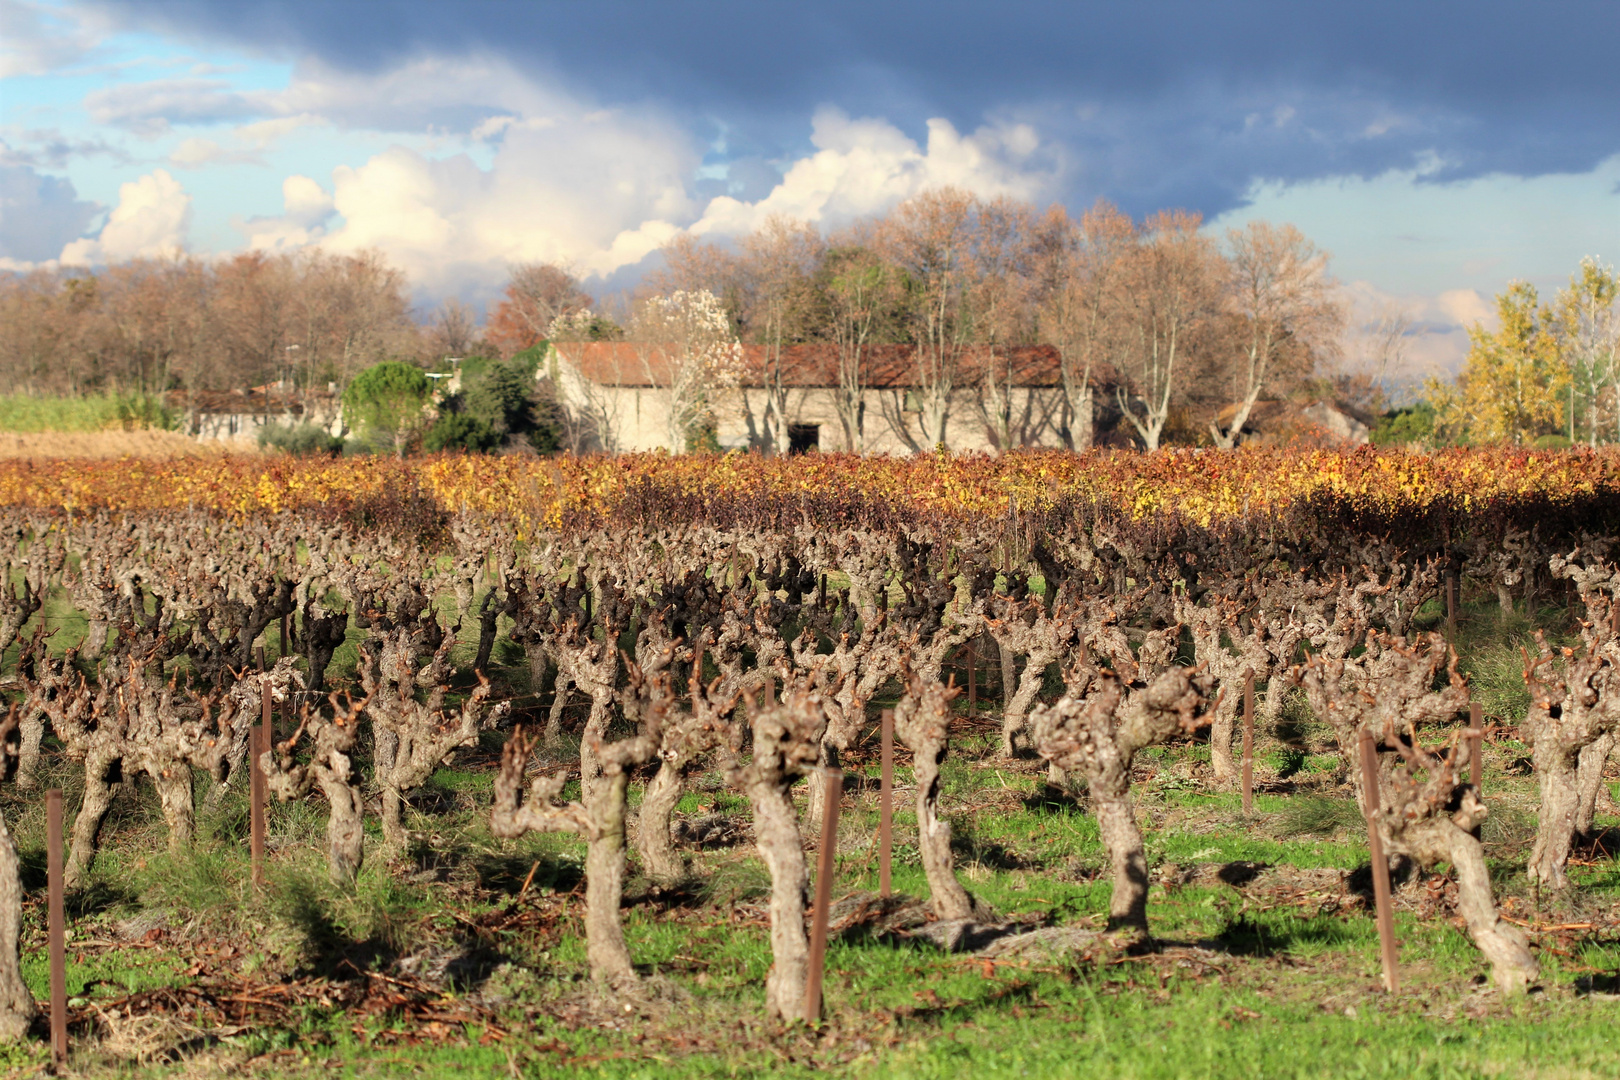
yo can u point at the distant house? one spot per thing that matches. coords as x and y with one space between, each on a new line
617 395
1322 423
235 417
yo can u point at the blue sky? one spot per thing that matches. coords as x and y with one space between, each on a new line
1438 150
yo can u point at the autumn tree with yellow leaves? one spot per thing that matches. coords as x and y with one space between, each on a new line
1514 385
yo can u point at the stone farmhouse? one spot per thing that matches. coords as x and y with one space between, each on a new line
235 417
617 394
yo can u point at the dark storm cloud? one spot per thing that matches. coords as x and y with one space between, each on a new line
38 214
1155 103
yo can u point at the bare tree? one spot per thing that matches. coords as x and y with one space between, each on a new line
454 329
1589 326
778 261
786 737
1425 811
861 294
412 736
1574 703
1279 290
930 238
1170 287
599 818
130 724
1003 282
1080 266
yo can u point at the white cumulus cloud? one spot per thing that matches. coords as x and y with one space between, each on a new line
306 209
863 167
603 189
150 220
598 190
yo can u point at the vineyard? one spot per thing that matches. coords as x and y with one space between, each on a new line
1260 763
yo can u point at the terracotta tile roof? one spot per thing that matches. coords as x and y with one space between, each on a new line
622 363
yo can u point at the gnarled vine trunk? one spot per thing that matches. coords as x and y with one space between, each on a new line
17 1006
922 720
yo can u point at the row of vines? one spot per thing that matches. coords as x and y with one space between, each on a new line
746 617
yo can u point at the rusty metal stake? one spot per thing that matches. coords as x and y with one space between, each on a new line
256 741
886 805
824 874
1451 606
1248 743
1380 865
57 927
973 677
1476 745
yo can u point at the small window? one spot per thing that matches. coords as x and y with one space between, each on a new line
913 402
803 438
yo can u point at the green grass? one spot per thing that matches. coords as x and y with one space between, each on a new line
1246 983
90 412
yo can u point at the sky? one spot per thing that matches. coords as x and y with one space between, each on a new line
1438 150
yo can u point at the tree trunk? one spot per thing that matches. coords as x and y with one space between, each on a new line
1015 715
1009 675
32 731
1594 794
393 819
817 794
776 835
1221 729
552 738
345 828
1116 822
659 858
604 883
174 792
393 804
1555 827
98 795
16 1003
590 765
1503 944
951 901
1504 600
488 621
1271 705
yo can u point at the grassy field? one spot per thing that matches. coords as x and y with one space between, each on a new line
86 412
465 954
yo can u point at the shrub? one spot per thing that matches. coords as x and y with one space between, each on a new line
1399 427
460 431
300 440
499 402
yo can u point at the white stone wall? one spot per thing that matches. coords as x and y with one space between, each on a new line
241 430
637 418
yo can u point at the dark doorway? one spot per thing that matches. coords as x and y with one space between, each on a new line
803 438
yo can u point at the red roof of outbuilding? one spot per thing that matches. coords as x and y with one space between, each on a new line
888 367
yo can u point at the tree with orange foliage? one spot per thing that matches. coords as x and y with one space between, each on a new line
537 294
